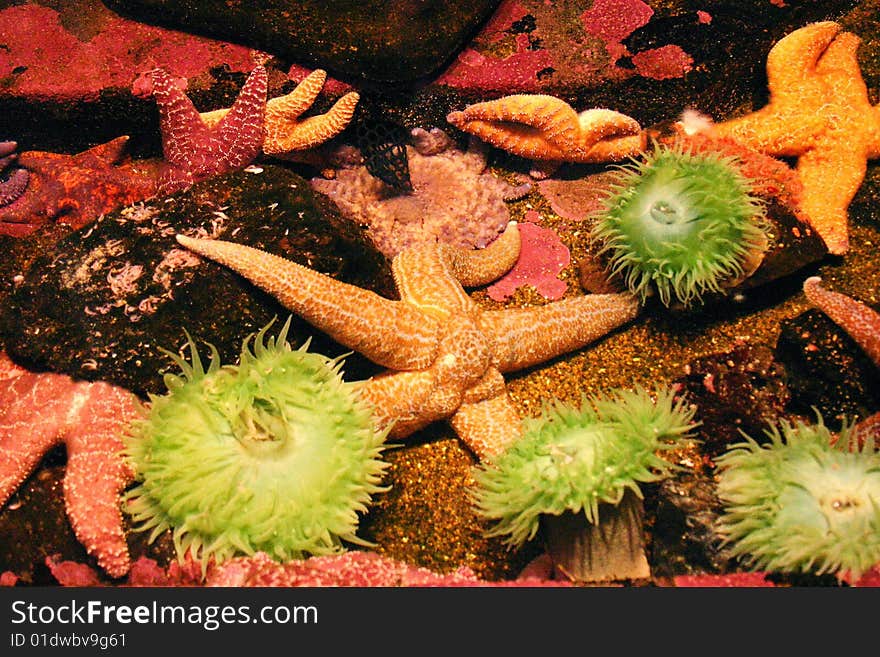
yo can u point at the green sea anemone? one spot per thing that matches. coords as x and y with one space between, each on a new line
584 461
802 502
276 454
680 223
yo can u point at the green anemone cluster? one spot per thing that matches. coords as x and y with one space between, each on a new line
275 454
679 223
802 502
576 458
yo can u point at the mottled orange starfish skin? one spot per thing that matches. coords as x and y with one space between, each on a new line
819 112
39 411
286 132
546 128
446 355
77 189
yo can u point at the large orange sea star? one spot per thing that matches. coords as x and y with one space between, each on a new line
445 355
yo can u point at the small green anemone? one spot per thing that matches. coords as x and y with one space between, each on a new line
680 223
276 454
802 502
573 459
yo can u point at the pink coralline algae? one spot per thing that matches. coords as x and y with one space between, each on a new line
663 63
542 257
45 58
355 568
614 20
517 70
455 199
728 580
144 572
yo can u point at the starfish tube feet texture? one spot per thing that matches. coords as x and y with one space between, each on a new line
445 355
820 113
286 131
194 150
546 128
39 411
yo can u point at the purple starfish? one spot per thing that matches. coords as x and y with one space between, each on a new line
193 151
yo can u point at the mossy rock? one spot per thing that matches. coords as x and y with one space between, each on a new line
105 300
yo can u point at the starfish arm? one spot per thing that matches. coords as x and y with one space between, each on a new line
289 107
794 58
606 132
390 333
856 318
487 426
522 140
183 130
614 149
97 473
536 126
432 278
281 109
527 336
108 153
840 60
400 400
284 137
242 130
831 177
782 132
24 439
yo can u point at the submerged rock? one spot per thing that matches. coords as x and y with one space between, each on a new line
106 300
744 390
388 41
828 370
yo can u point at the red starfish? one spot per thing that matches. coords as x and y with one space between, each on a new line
73 189
38 411
193 151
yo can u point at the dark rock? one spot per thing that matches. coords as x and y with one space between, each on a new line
793 246
105 300
683 515
744 390
386 41
828 371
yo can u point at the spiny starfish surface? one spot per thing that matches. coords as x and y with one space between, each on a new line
39 411
286 132
74 189
548 129
445 355
193 150
819 112
856 318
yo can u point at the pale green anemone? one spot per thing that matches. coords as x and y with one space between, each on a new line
800 503
574 459
681 224
276 454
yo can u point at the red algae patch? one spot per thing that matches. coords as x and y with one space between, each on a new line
44 60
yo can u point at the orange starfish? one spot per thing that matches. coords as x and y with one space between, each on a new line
548 129
445 355
819 112
285 131
39 411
